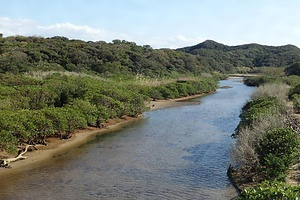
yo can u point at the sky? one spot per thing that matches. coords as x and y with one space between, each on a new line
158 23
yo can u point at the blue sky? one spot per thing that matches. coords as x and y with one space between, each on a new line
159 23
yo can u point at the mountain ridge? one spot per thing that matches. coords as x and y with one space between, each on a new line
225 58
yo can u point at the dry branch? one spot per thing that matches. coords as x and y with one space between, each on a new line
5 162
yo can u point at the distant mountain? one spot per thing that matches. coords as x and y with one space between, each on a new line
227 58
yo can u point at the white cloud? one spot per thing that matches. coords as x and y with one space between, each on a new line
26 27
79 32
175 41
16 26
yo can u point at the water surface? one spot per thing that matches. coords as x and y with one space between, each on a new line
174 153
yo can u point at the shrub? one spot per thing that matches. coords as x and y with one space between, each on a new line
256 109
87 109
296 102
8 141
244 151
277 150
293 69
278 90
259 80
58 119
294 90
271 190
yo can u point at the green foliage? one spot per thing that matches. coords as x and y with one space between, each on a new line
8 141
296 102
88 110
293 91
261 80
44 103
256 109
277 150
23 54
33 109
181 88
225 58
271 190
293 69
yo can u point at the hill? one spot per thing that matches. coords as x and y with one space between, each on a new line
23 54
225 58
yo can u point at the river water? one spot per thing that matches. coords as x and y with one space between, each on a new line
174 153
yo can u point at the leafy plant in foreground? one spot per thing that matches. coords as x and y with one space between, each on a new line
277 151
271 190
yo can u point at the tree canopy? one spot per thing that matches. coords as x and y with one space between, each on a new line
23 54
225 58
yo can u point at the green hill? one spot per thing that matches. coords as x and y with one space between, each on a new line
225 58
23 54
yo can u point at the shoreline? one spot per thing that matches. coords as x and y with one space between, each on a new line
162 104
56 146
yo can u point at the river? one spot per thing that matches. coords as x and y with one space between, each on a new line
174 153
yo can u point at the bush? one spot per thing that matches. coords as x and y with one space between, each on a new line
59 103
259 80
244 152
87 109
277 150
296 102
257 109
278 90
294 90
271 190
8 141
293 69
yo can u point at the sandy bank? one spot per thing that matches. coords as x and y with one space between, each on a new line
56 146
160 104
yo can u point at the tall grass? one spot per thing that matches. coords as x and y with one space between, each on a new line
244 153
278 90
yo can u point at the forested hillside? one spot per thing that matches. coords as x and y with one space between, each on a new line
23 54
225 58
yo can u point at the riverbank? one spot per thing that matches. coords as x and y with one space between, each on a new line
160 104
56 146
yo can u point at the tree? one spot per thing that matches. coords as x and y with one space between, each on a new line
293 69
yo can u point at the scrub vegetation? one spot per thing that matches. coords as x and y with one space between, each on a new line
267 143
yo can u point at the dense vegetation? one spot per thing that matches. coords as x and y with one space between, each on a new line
255 110
243 58
271 190
267 142
23 54
53 86
261 80
32 109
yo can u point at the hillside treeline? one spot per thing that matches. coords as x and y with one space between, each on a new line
242 58
23 54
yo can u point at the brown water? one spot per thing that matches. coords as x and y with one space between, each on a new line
174 153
